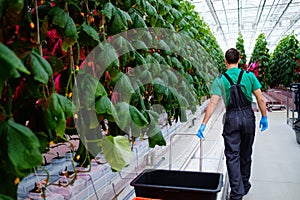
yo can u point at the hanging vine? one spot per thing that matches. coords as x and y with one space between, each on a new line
240 46
260 61
285 62
44 49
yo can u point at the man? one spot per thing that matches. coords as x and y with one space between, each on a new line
236 86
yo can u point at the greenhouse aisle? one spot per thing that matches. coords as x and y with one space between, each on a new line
276 161
276 158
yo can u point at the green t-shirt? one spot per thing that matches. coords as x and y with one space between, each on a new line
221 85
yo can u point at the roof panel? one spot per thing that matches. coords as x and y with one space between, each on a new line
226 18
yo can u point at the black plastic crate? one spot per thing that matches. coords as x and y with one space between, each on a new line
173 184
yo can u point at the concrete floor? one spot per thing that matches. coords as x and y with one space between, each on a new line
276 157
276 162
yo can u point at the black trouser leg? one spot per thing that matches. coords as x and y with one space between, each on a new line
247 139
238 134
232 151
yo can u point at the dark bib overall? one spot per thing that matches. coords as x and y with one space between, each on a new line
238 134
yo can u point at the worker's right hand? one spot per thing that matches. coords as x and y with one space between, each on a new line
263 124
200 131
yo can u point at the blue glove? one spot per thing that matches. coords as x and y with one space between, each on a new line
200 131
263 124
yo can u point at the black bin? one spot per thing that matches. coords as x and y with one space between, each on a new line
173 184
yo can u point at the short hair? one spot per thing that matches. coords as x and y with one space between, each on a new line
232 56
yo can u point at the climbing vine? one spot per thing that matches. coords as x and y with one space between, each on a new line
240 46
48 63
285 62
260 61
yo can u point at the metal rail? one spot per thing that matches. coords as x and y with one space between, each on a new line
200 146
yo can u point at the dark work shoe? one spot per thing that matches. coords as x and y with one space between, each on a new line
247 190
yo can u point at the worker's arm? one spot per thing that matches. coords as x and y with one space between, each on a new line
211 107
263 124
260 101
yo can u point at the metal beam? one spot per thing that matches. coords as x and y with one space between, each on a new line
288 28
279 18
215 16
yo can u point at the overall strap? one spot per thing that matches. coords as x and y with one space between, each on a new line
230 80
240 77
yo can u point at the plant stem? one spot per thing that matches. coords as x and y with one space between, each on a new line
88 12
71 63
38 28
9 100
103 26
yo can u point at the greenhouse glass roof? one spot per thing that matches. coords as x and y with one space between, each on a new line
274 18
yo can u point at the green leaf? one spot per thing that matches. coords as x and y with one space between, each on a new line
138 44
172 78
4 197
139 59
153 19
122 109
40 67
154 116
160 22
58 109
122 45
44 141
150 10
160 59
107 57
159 86
117 152
108 10
177 64
154 68
105 107
137 117
137 20
146 77
23 146
170 17
10 65
90 33
163 9
182 102
168 25
164 76
124 86
163 45
123 48
88 86
176 14
156 139
118 22
61 19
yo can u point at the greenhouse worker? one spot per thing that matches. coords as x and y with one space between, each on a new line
236 86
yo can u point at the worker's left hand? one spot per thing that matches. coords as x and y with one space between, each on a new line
200 131
263 124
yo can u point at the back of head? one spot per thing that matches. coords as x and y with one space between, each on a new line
232 56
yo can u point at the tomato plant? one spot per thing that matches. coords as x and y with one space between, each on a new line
285 62
240 46
62 60
260 61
